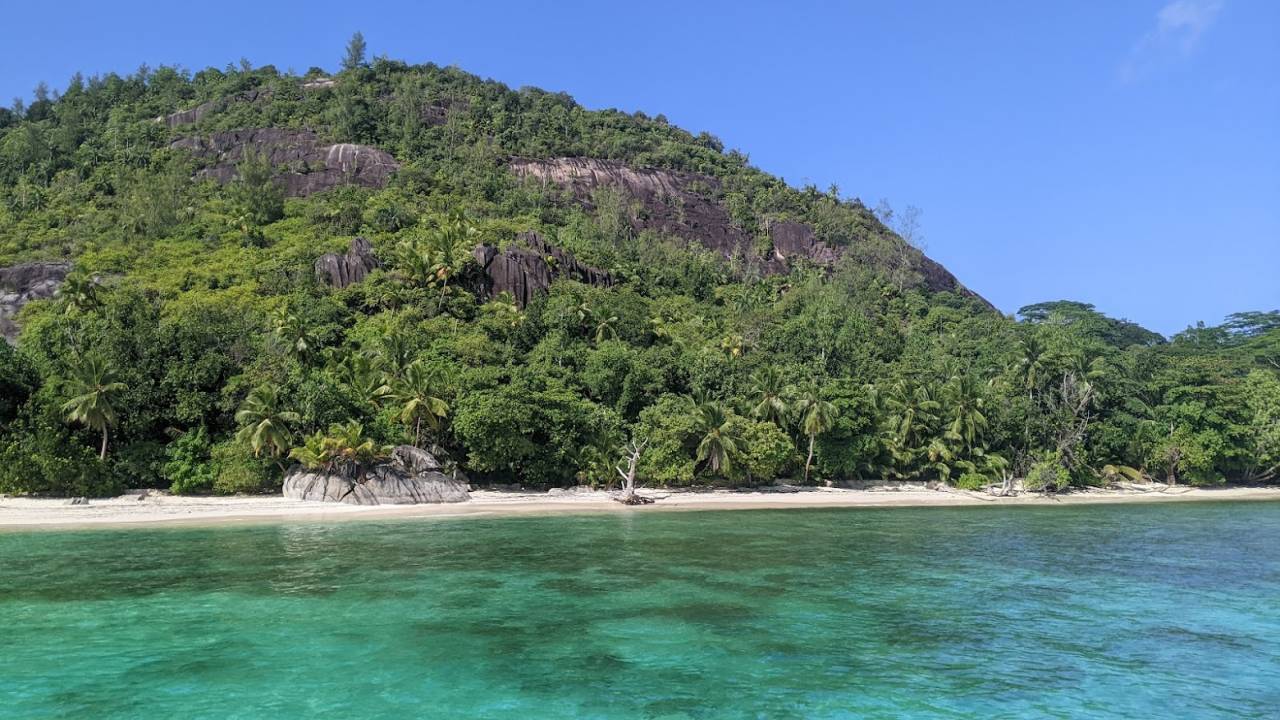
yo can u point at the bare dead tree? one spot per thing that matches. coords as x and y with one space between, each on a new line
628 496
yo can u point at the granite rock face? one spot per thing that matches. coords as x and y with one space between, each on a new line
204 109
303 164
410 476
20 284
675 203
340 271
685 205
529 267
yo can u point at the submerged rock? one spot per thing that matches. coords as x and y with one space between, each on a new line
410 476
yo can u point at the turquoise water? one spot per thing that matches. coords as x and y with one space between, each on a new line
1122 611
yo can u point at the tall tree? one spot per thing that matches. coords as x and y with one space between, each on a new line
93 390
418 396
355 52
816 416
719 444
768 396
264 425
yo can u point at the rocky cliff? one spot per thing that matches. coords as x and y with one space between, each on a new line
303 164
686 205
675 203
20 284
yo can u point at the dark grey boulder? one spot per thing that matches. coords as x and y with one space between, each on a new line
20 284
411 476
528 267
340 271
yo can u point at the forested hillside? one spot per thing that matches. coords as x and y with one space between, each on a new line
207 277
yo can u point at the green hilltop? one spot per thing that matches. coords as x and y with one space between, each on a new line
208 277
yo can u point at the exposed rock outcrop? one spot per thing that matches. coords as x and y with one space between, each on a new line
410 476
684 204
676 203
530 266
20 284
199 112
339 271
303 165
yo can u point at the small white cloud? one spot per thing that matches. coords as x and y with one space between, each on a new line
1179 26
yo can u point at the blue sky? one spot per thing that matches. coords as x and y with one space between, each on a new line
1121 153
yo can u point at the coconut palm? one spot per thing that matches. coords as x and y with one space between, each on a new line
816 416
359 373
348 446
395 355
598 324
344 447
964 405
768 396
264 426
292 334
80 291
94 389
913 412
433 255
417 394
719 443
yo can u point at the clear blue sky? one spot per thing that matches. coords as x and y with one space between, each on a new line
1121 153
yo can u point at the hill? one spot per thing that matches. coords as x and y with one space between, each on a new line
207 273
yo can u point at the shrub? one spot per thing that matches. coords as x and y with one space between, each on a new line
236 470
972 481
188 469
1048 475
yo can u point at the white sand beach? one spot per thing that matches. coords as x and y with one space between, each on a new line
155 508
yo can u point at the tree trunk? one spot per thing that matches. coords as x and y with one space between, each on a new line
102 455
809 460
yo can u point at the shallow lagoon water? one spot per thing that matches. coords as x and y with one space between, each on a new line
1099 612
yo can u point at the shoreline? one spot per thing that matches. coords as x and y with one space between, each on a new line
156 509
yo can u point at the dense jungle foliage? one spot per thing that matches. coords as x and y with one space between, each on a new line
193 348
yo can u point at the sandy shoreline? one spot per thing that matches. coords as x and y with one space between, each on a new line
158 509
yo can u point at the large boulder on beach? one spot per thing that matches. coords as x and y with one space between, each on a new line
411 476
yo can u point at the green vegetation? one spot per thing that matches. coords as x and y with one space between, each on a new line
193 336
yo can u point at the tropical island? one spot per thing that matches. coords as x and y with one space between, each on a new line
212 283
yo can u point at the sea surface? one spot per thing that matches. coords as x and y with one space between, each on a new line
1123 611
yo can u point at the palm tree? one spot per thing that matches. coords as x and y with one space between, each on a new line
417 395
719 443
769 396
396 355
265 425
348 446
816 417
504 309
965 404
292 334
600 326
80 291
344 446
360 374
913 412
433 256
94 388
